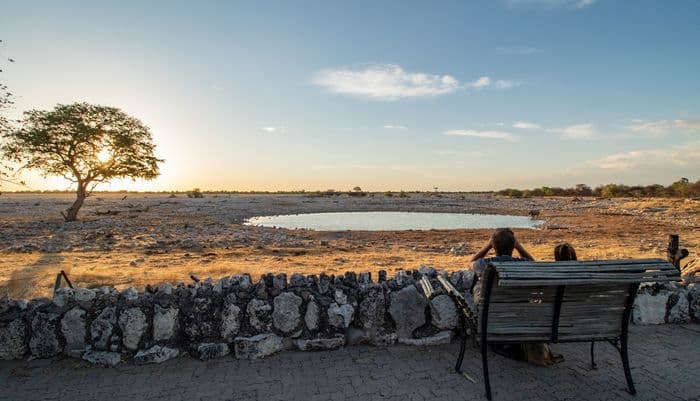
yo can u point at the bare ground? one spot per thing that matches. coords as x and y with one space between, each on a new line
147 239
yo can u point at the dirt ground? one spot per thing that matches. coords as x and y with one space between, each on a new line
137 239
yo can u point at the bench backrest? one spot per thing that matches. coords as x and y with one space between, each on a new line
564 301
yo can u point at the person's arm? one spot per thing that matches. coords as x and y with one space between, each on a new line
482 252
522 251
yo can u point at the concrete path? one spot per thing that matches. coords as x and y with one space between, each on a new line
665 366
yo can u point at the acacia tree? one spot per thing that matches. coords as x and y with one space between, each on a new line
84 143
6 101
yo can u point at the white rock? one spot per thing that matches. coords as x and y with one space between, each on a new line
312 315
165 323
650 309
155 354
285 316
258 346
444 312
102 358
340 316
319 344
133 324
73 328
230 321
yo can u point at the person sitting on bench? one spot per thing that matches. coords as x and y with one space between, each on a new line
503 242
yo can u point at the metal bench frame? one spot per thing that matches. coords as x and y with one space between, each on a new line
619 341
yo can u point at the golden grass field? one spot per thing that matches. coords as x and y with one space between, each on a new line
151 239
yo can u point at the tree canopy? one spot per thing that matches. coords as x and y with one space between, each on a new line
84 143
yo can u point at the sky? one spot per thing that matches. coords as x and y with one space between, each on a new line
316 95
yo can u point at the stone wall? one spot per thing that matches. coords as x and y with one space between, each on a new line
254 319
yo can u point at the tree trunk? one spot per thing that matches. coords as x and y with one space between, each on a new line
72 212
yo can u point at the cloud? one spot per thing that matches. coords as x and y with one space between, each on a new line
553 3
384 81
273 130
526 125
578 131
680 156
482 82
506 136
662 127
507 84
389 126
391 82
519 51
691 125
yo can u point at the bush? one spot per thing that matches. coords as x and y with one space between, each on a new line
195 193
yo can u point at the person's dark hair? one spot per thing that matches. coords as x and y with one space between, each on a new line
503 241
564 252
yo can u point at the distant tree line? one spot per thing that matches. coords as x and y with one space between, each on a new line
682 188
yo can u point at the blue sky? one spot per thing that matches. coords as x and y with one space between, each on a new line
385 95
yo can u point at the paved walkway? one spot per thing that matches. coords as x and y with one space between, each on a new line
665 366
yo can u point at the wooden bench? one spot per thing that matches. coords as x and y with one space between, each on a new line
556 302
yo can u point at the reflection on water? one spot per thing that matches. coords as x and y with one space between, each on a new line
392 221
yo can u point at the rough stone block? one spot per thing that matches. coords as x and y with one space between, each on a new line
165 323
340 316
133 324
207 351
258 346
444 312
44 342
73 328
13 339
319 344
155 354
407 308
286 316
102 327
102 358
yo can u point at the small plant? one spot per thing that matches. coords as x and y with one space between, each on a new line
403 194
388 194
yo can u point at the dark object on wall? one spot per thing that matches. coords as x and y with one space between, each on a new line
674 254
59 276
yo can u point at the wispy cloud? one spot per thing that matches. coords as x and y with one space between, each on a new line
578 131
385 81
506 136
554 3
273 130
392 82
663 127
390 126
518 51
679 156
507 83
526 125
482 82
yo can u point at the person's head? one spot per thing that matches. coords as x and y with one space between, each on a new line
564 252
503 241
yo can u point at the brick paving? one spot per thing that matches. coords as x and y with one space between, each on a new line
665 364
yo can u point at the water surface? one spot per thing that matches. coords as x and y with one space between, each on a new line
391 221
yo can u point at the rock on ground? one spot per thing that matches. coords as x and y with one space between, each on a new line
319 344
13 339
155 354
444 312
207 351
407 308
443 337
73 328
285 316
133 324
44 342
258 346
102 358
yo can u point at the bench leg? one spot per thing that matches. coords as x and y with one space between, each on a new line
626 365
485 367
593 365
462 347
